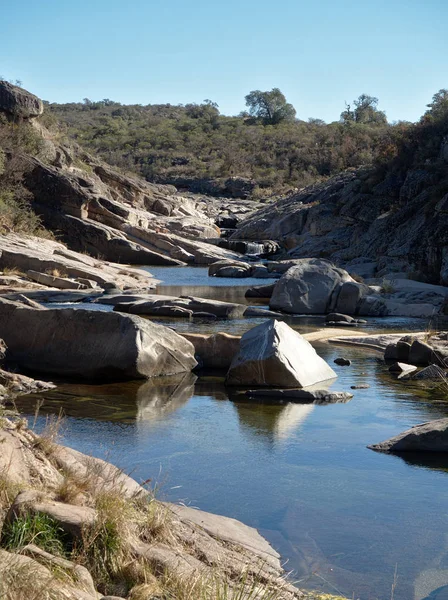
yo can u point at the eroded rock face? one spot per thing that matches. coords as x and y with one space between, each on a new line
273 354
17 102
427 437
91 344
372 230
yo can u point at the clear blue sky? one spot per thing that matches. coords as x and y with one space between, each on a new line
320 53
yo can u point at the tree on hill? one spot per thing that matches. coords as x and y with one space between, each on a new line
270 107
365 111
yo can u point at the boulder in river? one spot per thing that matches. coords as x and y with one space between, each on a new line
301 396
273 354
216 350
312 287
427 437
91 344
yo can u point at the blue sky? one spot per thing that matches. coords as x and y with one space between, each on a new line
320 53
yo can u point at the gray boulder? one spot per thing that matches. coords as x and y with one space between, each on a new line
421 353
18 102
431 372
427 437
273 354
91 344
338 318
301 396
310 287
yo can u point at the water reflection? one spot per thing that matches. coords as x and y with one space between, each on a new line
157 398
435 461
125 402
272 423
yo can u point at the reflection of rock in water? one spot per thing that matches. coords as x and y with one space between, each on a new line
290 418
163 395
272 423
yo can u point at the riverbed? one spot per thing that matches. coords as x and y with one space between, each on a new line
344 518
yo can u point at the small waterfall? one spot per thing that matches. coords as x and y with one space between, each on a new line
254 248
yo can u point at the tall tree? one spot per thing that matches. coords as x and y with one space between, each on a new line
365 111
270 107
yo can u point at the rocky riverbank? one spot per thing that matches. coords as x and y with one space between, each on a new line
76 527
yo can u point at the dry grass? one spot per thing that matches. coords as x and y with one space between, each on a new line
46 441
8 490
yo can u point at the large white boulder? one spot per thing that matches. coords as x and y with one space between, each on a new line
312 287
91 344
273 354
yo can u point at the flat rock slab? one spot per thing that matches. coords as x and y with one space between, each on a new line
230 530
427 437
273 354
40 255
302 396
156 304
376 341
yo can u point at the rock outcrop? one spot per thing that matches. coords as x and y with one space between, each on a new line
397 224
273 354
19 103
176 542
91 344
427 437
48 257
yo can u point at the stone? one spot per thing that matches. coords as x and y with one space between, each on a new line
361 386
301 396
231 531
20 575
402 368
232 272
273 354
430 372
404 351
91 344
61 283
260 291
19 103
221 267
79 573
71 518
342 362
349 297
421 353
309 287
41 255
427 437
338 318
216 350
145 305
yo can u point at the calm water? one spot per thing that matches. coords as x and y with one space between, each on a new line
343 517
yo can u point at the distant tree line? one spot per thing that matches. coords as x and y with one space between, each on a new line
268 143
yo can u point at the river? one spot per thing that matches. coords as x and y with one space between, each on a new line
344 518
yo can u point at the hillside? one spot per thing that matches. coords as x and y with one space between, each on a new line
377 221
52 187
195 147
